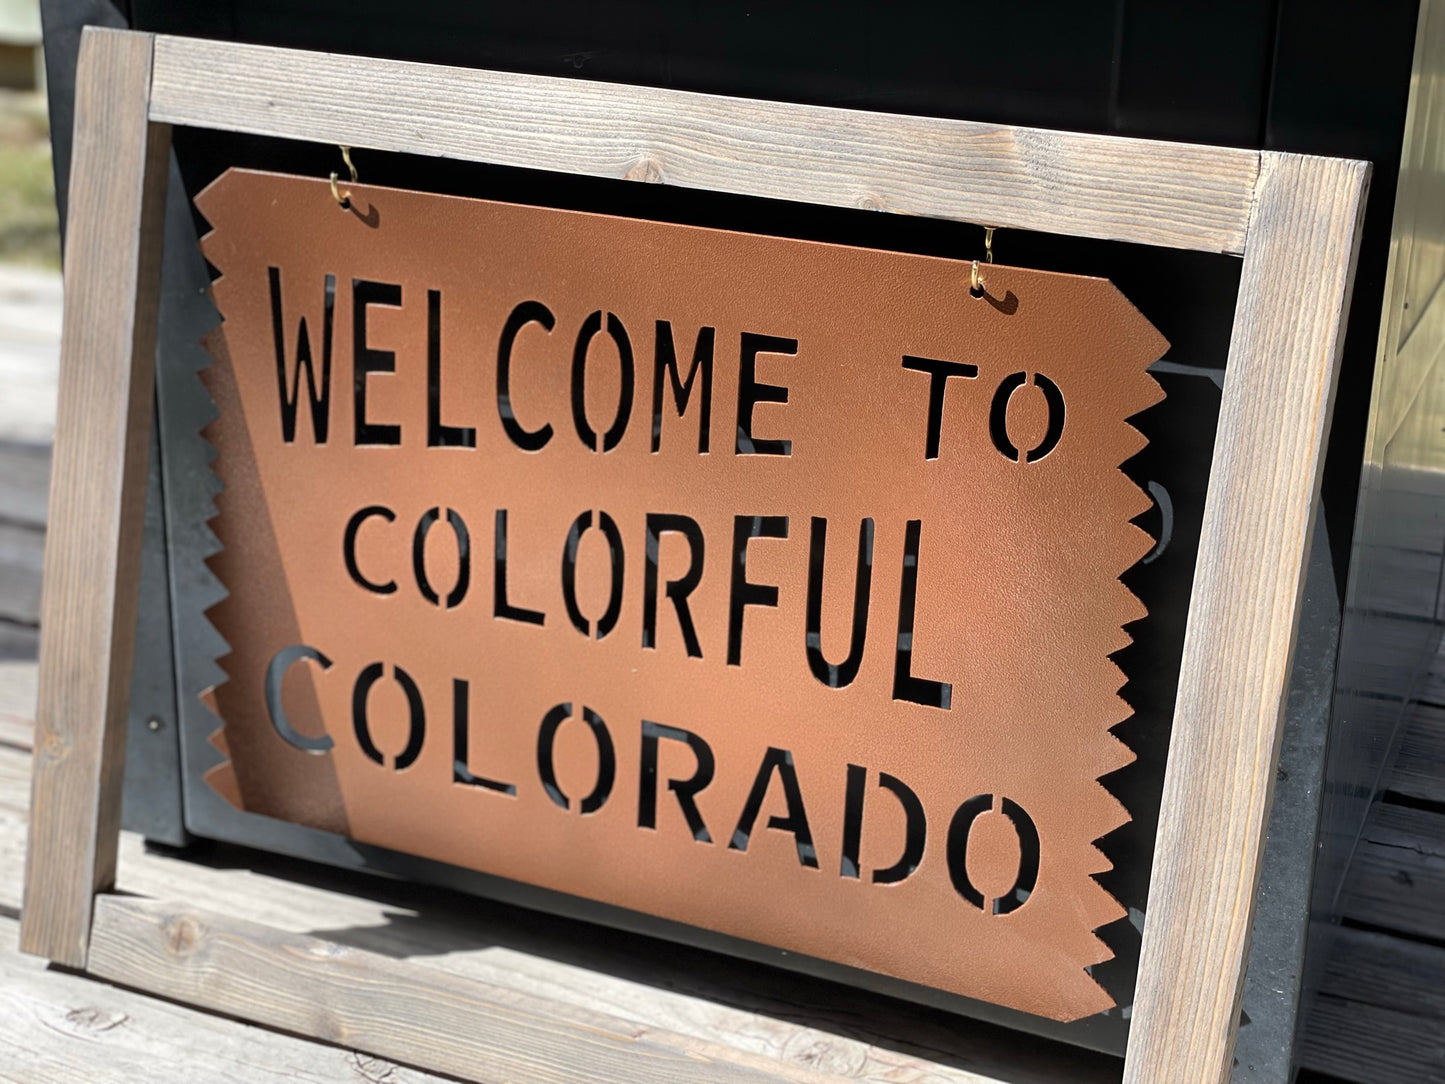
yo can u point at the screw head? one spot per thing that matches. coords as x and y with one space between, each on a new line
153 723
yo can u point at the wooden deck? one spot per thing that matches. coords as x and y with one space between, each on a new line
1380 1019
29 345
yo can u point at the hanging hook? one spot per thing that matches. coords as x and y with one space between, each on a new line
975 280
343 199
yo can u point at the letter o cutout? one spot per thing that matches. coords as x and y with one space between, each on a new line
998 417
959 830
606 758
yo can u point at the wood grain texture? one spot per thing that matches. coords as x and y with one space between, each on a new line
1420 767
17 734
22 551
14 812
1244 612
1397 879
17 696
92 555
1389 972
1380 1018
24 481
407 1011
62 1027
1365 1044
1173 194
18 640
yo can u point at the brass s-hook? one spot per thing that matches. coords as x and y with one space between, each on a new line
343 199
975 280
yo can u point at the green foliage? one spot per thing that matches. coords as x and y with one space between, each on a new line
28 224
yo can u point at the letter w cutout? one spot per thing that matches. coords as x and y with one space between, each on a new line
290 396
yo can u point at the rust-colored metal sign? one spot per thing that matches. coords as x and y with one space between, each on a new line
761 585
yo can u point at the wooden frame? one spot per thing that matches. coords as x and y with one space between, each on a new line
1294 219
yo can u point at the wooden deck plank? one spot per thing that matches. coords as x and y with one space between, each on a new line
1400 580
1420 770
1432 689
24 479
16 733
411 1011
14 793
22 554
1365 1044
1397 880
17 702
1389 972
30 312
61 1027
1381 1016
18 642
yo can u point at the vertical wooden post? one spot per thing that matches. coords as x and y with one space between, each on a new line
1258 523
97 492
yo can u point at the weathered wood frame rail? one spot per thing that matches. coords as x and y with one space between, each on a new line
1294 219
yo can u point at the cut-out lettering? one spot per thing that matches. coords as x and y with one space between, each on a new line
915 836
437 434
275 673
843 673
686 790
500 606
1025 880
464 558
348 548
461 759
742 593
665 363
751 392
367 360
528 312
853 795
777 762
998 417
606 758
591 327
1028 874
939 372
317 394
678 590
933 694
616 562
416 714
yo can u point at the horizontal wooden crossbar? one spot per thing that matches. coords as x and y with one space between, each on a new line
404 1011
1155 193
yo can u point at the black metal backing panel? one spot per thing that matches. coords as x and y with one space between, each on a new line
151 802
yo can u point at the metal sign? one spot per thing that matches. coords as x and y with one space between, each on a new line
761 585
